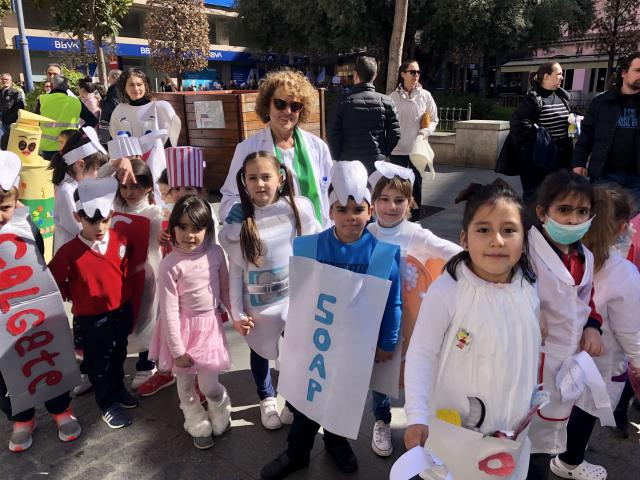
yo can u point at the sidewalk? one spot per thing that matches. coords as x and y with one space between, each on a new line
156 446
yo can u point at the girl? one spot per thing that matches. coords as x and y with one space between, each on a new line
259 249
617 294
564 267
133 199
194 283
392 202
89 96
474 351
64 136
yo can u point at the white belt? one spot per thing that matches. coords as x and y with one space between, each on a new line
266 288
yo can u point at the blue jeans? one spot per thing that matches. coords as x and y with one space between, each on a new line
381 405
261 375
625 180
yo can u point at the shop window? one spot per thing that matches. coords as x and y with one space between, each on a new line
568 79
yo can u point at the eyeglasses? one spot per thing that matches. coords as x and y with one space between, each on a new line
413 72
282 104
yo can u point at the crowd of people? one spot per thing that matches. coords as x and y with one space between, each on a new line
498 354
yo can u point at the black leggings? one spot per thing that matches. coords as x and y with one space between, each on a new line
579 431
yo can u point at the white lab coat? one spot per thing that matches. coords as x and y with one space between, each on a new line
66 227
617 296
565 307
262 140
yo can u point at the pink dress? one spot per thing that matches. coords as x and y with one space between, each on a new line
192 284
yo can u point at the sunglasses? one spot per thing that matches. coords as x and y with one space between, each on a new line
413 72
281 105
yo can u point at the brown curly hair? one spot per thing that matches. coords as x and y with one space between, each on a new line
294 83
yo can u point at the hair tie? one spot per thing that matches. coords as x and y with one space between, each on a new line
469 192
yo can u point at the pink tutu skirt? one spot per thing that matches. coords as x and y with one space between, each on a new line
202 336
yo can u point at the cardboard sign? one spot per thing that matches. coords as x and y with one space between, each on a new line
330 341
36 349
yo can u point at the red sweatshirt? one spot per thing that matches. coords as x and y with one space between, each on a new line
94 283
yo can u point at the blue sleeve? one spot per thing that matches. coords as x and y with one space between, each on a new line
390 326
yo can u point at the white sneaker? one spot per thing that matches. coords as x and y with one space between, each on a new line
83 387
269 414
286 416
381 441
584 471
140 378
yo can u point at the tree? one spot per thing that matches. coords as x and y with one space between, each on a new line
397 41
617 29
178 34
5 7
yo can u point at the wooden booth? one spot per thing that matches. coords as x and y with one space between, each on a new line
218 120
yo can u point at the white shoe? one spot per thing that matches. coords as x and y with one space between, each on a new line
83 387
219 413
140 378
584 471
286 416
381 441
269 414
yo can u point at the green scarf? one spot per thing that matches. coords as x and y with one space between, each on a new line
304 171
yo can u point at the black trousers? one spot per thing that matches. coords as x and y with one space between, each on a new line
539 466
404 161
620 413
54 406
105 350
579 431
302 435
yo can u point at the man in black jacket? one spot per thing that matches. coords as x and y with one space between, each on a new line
11 100
611 134
366 125
110 102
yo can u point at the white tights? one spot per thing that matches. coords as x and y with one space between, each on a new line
207 381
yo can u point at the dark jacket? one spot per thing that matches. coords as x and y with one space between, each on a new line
109 103
522 122
597 131
10 102
365 128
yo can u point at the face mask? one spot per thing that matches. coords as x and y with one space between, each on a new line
566 234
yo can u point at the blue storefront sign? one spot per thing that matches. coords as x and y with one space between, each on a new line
220 3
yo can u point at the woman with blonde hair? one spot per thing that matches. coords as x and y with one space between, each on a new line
285 100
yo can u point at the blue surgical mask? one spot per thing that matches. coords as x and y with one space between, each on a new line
566 234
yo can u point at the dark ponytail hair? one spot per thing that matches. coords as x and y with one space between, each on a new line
624 64
477 196
199 212
250 242
144 178
60 168
122 83
535 78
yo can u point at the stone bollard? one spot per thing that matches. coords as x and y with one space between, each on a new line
478 142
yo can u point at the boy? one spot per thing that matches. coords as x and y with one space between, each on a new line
90 271
68 426
347 245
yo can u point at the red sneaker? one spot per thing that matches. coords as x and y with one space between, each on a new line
68 426
21 436
156 382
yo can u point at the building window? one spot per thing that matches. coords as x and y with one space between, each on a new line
568 79
212 31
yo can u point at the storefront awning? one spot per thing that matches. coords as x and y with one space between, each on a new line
530 65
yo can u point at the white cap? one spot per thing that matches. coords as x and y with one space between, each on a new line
124 146
85 150
97 194
10 166
349 179
390 170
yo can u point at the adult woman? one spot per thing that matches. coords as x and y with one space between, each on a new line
284 102
415 106
151 121
89 96
545 105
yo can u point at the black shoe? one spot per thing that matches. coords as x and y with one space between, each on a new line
127 400
116 417
343 455
636 404
281 467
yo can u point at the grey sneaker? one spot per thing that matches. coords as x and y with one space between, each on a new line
68 426
203 443
21 436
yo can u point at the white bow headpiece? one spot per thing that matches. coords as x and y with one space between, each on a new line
390 170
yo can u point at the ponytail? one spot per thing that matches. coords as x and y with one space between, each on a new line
250 243
289 189
59 167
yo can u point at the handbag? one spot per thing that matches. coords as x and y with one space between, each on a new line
544 151
507 162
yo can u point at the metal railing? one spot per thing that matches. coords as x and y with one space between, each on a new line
448 116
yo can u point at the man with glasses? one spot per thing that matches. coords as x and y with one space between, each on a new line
11 100
366 126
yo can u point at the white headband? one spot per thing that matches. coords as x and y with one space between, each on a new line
349 179
390 170
85 150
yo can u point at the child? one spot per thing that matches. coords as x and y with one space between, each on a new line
64 136
132 198
347 245
392 202
617 294
473 355
90 271
564 268
259 249
189 338
59 407
163 186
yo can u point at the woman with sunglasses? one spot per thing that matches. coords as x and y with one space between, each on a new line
418 115
284 102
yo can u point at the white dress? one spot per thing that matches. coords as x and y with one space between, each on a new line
66 227
474 339
262 292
